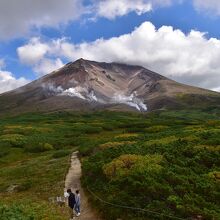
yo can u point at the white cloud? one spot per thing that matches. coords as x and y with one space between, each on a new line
46 66
9 82
217 89
20 18
33 52
113 8
191 58
37 55
17 18
208 6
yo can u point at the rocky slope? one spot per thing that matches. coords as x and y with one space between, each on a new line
87 85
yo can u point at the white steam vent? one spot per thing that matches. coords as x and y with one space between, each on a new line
75 92
131 100
84 94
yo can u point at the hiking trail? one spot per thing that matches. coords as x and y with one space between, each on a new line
72 182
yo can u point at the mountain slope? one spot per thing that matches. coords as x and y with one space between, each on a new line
87 85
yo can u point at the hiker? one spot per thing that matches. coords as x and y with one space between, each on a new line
77 205
71 202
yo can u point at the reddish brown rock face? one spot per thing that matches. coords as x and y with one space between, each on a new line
88 85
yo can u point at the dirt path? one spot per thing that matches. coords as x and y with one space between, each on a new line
73 181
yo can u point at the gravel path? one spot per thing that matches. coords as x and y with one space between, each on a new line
73 181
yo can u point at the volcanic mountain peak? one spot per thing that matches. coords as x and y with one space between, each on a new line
86 85
99 82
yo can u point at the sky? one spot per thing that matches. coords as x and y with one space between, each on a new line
179 39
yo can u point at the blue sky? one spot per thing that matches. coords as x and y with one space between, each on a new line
41 38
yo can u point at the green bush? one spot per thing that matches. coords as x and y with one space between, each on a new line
61 153
39 147
165 161
13 140
4 152
14 212
92 130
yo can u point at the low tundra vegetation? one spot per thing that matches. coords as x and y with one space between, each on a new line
165 162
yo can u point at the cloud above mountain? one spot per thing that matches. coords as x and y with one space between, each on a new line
9 82
208 6
189 58
35 53
18 18
113 8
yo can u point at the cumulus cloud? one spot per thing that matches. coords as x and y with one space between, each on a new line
208 6
33 52
113 8
17 18
9 82
47 65
38 56
188 58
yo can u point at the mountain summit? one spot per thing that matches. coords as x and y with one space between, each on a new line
88 85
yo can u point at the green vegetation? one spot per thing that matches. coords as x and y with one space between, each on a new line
166 162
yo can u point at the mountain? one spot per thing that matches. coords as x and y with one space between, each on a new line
87 85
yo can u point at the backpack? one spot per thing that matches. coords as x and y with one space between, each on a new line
71 200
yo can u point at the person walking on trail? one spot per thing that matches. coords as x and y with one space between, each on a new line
77 205
71 202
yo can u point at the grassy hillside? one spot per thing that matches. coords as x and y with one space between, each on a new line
166 162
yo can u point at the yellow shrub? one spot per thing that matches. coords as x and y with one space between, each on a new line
15 140
9 137
213 123
47 147
214 175
165 140
123 163
156 128
195 128
209 148
24 129
190 138
115 144
129 164
13 126
43 130
127 135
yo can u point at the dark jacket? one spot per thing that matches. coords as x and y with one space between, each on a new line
71 200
